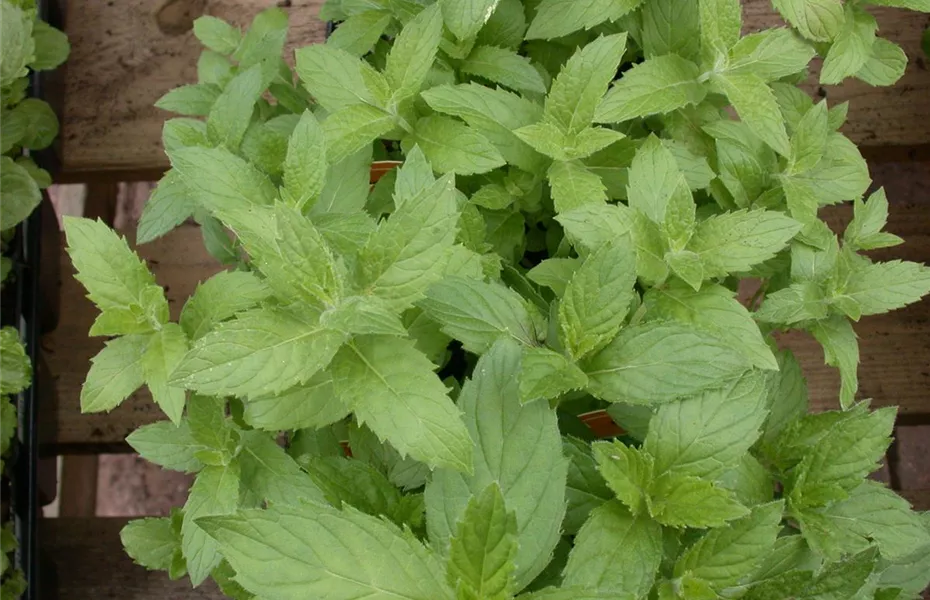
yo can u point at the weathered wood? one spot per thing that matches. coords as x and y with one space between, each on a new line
126 54
90 564
78 496
919 499
895 348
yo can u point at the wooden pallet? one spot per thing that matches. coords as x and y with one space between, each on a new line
127 54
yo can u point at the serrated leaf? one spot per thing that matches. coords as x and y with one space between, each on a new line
554 273
503 66
522 451
590 226
597 298
413 53
219 298
195 100
770 54
216 34
404 472
809 139
215 492
787 397
51 46
885 65
817 20
869 218
115 373
305 163
734 242
573 185
841 350
151 542
169 205
705 435
615 552
269 474
220 180
627 471
851 47
481 553
749 481
163 354
684 501
313 404
358 33
357 315
713 309
546 374
671 27
886 286
656 86
336 79
723 556
166 445
293 551
350 129
15 369
261 351
478 313
389 384
798 302
756 106
585 489
659 362
453 147
556 18
231 113
406 254
654 179
577 90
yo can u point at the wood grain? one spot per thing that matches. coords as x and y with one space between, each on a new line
90 564
126 54
895 348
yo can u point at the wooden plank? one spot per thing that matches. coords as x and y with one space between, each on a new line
895 348
919 499
90 564
126 54
78 496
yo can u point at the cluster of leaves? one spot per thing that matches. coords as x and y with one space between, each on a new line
26 124
569 230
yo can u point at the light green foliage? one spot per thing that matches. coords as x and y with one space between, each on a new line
380 397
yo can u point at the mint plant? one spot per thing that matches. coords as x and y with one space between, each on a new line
26 124
584 188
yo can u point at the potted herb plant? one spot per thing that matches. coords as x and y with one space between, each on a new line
584 186
27 124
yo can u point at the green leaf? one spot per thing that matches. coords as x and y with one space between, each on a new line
357 315
787 398
220 180
407 252
216 34
841 350
195 100
482 552
713 309
336 79
554 273
756 106
505 27
503 66
17 46
453 147
721 21
654 179
169 205
886 286
313 404
684 501
597 298
345 192
671 27
219 298
809 139
576 92
521 450
749 481
392 388
546 374
19 193
413 53
151 542
15 369
724 556
414 176
585 488
851 47
659 362
465 19
350 129
615 552
885 65
403 472
165 350
817 20
51 47
293 552
706 435
798 302
864 232
573 185
41 123
556 18
269 474
478 313
771 54
180 132
590 226
656 86
215 492
168 445
627 471
264 41
232 112
359 33
735 241
8 425
305 165
115 373
261 351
